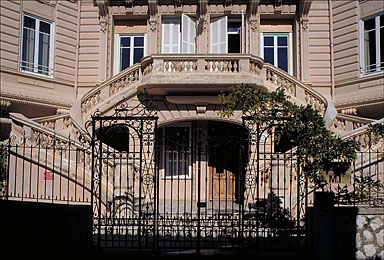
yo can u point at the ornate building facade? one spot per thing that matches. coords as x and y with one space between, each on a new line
66 63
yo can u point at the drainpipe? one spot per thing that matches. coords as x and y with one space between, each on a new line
331 50
77 49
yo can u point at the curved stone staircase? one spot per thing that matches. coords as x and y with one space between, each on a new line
68 128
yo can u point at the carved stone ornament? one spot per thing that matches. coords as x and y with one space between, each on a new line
128 2
178 6
253 24
201 108
152 24
103 23
304 23
202 25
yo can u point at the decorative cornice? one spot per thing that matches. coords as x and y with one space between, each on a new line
40 101
278 6
228 6
360 101
178 6
4 104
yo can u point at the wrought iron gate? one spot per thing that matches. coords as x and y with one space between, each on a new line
193 185
124 178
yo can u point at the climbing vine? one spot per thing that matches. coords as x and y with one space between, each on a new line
318 149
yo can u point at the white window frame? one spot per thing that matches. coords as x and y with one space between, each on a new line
275 48
118 46
240 32
163 156
186 43
226 20
36 47
379 67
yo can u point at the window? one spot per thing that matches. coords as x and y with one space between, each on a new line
179 35
226 35
233 36
130 50
37 45
276 49
372 44
176 151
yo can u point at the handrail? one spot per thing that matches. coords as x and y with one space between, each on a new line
346 123
300 91
290 84
209 64
364 137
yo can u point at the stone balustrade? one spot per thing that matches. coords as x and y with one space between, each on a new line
175 70
346 123
294 87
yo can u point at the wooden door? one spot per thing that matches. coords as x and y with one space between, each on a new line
222 176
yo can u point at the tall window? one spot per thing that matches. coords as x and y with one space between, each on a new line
176 152
37 45
130 50
226 35
276 49
372 44
178 35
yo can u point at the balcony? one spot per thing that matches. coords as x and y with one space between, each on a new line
189 74
162 74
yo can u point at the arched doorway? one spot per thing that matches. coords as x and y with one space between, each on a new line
200 167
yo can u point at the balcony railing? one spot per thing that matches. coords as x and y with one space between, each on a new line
198 70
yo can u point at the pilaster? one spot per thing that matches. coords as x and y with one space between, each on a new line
254 25
153 29
103 33
304 39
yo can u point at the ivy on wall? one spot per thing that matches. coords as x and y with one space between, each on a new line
317 148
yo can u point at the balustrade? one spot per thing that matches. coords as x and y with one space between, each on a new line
202 65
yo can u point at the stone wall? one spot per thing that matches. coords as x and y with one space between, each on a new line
370 233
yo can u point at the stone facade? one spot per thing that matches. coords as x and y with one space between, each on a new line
370 233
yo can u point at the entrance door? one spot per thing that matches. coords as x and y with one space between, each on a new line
223 142
223 175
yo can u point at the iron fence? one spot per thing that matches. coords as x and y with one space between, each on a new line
191 185
42 168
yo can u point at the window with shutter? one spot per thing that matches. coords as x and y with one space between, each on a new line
227 35
179 35
171 35
188 36
218 35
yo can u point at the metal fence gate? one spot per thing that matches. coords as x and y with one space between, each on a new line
193 185
124 179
